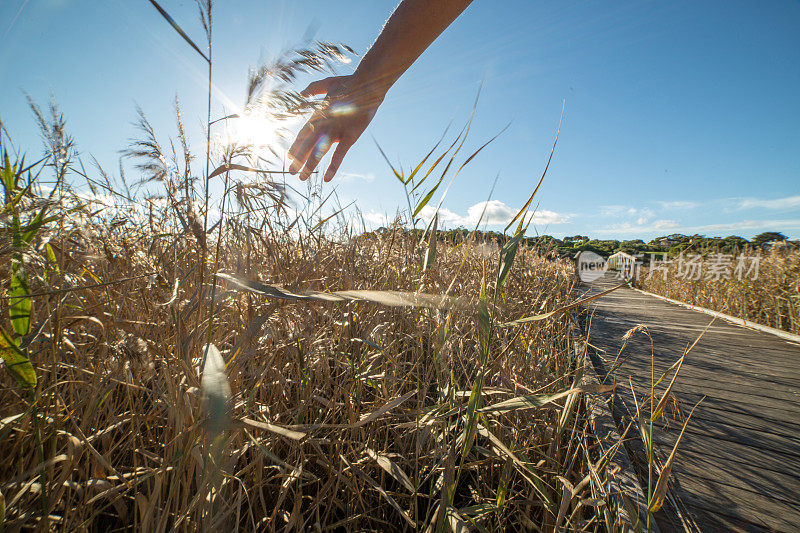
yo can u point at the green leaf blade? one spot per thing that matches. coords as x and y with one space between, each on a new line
178 29
20 301
17 361
507 255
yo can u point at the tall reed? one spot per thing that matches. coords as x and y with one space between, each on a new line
769 295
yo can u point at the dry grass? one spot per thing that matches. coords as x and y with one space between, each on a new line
119 406
320 415
771 299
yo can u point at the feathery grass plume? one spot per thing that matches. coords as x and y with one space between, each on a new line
146 150
271 91
188 178
269 87
60 148
205 8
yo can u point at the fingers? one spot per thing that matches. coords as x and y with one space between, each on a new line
321 86
317 152
308 151
301 147
337 158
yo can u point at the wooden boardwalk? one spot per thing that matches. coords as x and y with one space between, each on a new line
738 465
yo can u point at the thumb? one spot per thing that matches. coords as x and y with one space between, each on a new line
323 86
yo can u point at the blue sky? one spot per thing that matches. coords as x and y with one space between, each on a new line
680 116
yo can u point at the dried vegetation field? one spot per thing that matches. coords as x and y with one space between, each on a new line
277 370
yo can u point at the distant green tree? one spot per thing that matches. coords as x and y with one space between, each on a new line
602 247
576 239
768 236
633 247
668 242
545 242
734 243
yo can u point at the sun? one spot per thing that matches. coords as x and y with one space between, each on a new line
260 134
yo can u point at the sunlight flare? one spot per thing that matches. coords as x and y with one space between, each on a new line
262 135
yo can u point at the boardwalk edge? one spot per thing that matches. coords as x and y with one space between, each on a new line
627 499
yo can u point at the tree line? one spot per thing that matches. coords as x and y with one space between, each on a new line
672 244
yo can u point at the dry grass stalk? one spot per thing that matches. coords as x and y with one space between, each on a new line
771 298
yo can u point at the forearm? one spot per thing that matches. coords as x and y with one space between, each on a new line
351 101
413 26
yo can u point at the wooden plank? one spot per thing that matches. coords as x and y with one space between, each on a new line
743 403
690 380
788 428
690 383
750 364
696 369
660 318
762 363
787 446
732 499
623 483
736 475
739 456
723 501
715 522
645 303
781 354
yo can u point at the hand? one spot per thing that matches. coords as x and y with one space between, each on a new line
348 109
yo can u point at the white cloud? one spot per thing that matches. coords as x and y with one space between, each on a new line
632 220
445 215
496 213
734 204
646 213
639 227
543 216
613 210
789 202
345 177
378 219
618 211
664 224
776 225
678 204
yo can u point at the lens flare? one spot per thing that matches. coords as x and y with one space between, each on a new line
259 134
342 108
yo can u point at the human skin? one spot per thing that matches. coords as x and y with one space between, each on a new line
351 101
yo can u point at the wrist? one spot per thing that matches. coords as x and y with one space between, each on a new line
370 84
